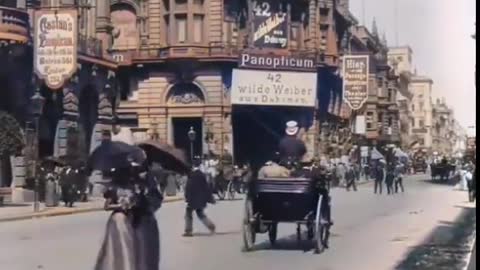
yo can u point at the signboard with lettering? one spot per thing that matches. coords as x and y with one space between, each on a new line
270 25
271 88
277 62
355 80
55 46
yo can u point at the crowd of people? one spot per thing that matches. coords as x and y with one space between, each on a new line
136 193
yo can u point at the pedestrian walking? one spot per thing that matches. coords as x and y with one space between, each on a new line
399 172
197 195
390 178
350 178
132 238
379 175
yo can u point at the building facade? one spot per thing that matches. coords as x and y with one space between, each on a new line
85 102
401 59
421 107
381 111
444 133
177 58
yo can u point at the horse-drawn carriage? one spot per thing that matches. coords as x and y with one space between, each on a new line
441 171
297 200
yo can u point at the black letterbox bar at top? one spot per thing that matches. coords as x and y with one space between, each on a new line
277 62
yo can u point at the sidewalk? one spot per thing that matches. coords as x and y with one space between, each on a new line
15 212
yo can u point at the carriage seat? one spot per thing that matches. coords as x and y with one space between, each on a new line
273 170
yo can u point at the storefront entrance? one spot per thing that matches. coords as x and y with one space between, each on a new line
181 127
257 131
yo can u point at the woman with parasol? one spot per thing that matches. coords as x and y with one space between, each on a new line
132 240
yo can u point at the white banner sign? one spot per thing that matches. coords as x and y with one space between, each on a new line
360 125
270 88
55 49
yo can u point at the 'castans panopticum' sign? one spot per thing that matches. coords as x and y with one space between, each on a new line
270 25
55 48
355 80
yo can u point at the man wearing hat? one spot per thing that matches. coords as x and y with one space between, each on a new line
197 195
291 148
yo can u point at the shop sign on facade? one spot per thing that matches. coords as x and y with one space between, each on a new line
270 88
277 62
270 25
355 80
55 45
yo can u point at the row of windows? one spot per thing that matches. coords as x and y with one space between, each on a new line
181 27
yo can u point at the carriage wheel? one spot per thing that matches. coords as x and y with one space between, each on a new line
230 191
319 240
272 233
248 228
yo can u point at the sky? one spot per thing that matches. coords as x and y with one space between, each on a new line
439 32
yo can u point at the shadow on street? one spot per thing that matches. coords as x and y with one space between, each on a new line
446 248
450 182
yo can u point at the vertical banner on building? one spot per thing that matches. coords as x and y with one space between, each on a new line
355 80
55 45
360 125
270 25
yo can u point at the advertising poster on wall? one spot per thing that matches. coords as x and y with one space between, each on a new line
355 80
270 25
270 88
55 46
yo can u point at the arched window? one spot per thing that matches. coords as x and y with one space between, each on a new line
125 32
186 94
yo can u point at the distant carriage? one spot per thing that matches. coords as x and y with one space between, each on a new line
441 171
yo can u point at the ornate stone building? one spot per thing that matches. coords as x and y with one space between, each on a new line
176 59
421 107
15 72
85 102
444 132
381 110
401 59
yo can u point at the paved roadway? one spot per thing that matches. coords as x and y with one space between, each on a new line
371 232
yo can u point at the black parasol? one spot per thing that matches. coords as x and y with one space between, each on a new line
169 157
115 155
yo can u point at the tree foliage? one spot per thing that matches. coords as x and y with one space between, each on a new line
11 136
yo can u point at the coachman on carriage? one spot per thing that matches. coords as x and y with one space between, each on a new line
292 194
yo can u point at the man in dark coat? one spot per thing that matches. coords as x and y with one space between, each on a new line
291 148
390 178
350 178
379 175
197 195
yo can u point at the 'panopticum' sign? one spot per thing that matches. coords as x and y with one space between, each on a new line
55 49
276 62
273 88
355 80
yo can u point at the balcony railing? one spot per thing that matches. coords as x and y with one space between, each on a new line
90 46
14 25
189 51
218 50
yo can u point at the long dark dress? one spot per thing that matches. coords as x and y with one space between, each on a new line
132 240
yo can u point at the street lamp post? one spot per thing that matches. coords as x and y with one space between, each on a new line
37 103
191 136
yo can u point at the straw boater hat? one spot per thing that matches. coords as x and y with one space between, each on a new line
292 128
